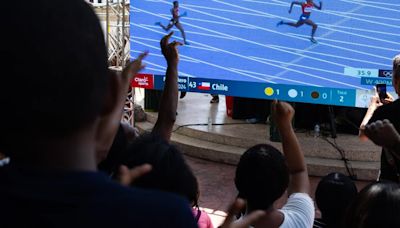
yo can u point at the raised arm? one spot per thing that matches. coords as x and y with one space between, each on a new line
299 182
169 98
292 4
384 134
109 124
374 104
318 6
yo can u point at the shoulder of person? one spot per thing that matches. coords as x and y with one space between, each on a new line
152 208
388 111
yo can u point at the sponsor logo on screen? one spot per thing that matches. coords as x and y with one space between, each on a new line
204 86
219 87
385 73
143 81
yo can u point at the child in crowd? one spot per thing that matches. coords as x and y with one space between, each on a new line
333 196
263 175
169 172
377 205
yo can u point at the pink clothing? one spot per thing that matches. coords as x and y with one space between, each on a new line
204 220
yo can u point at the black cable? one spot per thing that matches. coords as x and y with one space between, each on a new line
305 131
351 123
334 144
342 153
206 124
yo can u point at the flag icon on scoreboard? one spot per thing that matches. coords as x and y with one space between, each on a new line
204 86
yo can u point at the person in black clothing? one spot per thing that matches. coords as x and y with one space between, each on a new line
113 159
116 155
333 196
390 162
52 180
376 205
383 133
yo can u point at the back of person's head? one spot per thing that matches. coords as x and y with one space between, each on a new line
377 205
396 73
261 176
56 62
170 172
333 196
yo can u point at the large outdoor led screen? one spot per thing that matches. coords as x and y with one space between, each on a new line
256 48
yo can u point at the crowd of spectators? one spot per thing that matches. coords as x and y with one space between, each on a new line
81 167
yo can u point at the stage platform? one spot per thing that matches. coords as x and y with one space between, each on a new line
227 139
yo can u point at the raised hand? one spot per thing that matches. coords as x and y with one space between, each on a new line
170 50
283 112
249 219
127 176
135 66
389 99
382 133
375 102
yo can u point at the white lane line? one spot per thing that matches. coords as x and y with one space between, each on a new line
352 43
278 78
270 47
296 51
364 15
213 15
266 63
331 12
378 3
220 23
364 36
189 32
162 68
301 66
312 47
372 6
267 3
361 19
245 72
333 56
161 56
178 38
224 10
335 30
357 29
211 64
230 20
320 43
195 26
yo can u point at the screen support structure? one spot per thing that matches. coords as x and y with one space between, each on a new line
332 122
115 14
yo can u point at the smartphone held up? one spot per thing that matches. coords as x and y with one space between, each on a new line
381 90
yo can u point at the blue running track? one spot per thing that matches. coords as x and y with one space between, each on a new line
238 40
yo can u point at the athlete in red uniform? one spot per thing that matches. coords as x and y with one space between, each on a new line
175 21
306 8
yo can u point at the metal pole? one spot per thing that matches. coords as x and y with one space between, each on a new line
118 33
107 27
123 35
